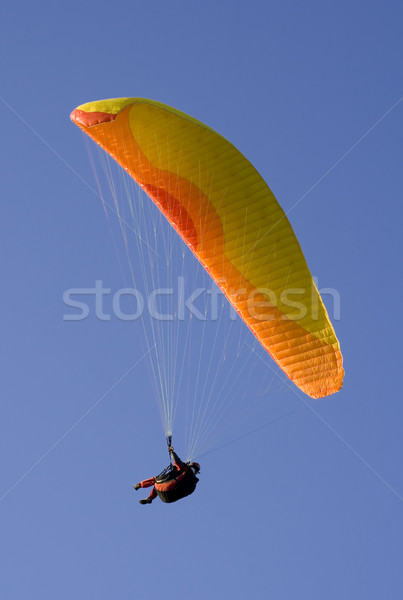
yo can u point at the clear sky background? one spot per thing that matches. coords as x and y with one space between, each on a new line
308 507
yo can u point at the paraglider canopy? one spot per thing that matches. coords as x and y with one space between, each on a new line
228 216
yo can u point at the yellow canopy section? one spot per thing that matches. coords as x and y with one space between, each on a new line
228 216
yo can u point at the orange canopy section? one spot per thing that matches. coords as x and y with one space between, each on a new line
228 216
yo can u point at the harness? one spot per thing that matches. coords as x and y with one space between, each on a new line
184 486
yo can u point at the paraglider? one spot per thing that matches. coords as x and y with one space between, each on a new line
228 216
175 482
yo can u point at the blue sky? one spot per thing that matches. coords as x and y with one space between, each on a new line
307 507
